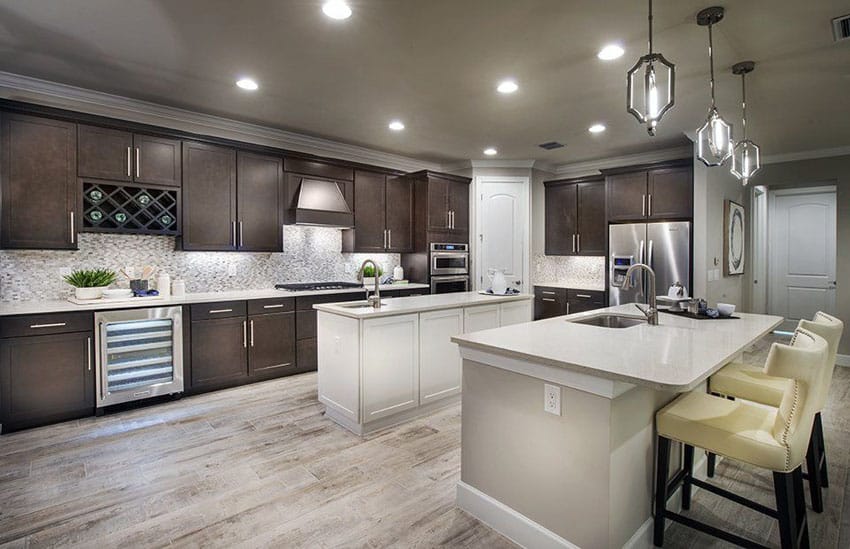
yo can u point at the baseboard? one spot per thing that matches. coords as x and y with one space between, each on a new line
842 360
513 525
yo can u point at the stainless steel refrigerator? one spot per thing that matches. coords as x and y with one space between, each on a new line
666 247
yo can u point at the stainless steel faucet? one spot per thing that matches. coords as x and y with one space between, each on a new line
651 311
374 299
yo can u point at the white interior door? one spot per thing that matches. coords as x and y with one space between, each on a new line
502 229
802 242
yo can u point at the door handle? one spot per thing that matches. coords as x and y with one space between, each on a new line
252 333
129 161
138 158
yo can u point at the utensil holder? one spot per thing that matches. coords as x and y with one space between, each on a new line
139 285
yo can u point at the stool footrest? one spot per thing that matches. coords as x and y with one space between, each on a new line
712 531
736 498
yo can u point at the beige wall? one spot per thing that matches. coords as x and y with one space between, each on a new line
822 171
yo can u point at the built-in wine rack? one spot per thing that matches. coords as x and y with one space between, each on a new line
130 209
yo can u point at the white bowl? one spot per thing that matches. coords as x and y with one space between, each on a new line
725 309
88 293
117 293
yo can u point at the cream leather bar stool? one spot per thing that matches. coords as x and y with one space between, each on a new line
749 382
770 438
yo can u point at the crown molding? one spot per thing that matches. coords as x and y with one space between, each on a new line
498 163
805 155
33 90
593 167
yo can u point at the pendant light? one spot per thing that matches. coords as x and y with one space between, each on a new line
746 159
657 89
714 138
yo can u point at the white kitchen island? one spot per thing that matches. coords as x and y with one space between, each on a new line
379 367
583 478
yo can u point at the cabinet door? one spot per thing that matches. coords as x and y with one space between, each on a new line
399 208
560 219
105 153
38 182
219 352
626 196
209 197
271 344
439 359
157 160
459 206
549 301
480 317
585 300
592 226
259 183
438 204
44 379
370 205
515 312
671 193
390 367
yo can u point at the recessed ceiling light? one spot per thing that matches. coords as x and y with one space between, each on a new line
596 128
507 86
247 84
609 52
396 125
336 9
490 151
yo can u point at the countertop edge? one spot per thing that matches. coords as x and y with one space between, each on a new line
333 308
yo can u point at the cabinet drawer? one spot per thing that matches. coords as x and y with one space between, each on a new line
586 295
45 324
549 292
220 309
273 305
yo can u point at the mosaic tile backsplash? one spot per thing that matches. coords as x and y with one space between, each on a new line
577 271
311 254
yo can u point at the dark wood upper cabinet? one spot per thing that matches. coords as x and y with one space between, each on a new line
654 193
209 197
219 352
440 209
459 207
259 183
117 155
671 193
399 210
45 379
38 170
438 204
271 344
575 221
592 227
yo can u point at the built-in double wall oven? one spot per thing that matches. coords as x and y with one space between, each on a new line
449 267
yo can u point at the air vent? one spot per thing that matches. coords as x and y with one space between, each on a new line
551 145
841 28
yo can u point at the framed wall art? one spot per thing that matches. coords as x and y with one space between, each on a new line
733 238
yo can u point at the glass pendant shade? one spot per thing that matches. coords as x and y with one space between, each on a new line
746 160
650 86
714 140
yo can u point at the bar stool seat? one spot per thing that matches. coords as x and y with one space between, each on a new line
730 428
748 382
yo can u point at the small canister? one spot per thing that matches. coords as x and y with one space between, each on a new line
163 284
178 288
693 306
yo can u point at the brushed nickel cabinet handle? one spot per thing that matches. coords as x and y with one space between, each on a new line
73 227
138 158
649 207
578 239
252 333
241 235
245 334
547 293
214 311
233 230
574 243
547 299
385 238
643 204
278 306
88 352
129 161
51 325
390 238
586 296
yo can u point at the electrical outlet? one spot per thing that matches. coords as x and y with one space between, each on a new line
349 268
717 274
552 399
231 269
710 275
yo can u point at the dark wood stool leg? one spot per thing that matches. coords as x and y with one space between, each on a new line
802 531
824 479
813 469
711 463
786 507
689 474
662 467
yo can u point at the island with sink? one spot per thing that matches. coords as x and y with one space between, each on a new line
385 361
581 474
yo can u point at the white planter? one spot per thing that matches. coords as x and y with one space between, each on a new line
89 293
369 281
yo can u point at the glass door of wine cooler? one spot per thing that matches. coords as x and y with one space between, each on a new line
139 354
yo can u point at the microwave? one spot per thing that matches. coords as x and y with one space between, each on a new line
449 259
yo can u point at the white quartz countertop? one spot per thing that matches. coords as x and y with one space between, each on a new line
677 355
576 286
416 304
61 305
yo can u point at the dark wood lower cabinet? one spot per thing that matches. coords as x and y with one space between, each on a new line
45 379
271 345
550 301
219 355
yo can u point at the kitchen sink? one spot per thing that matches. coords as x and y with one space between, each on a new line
355 305
610 321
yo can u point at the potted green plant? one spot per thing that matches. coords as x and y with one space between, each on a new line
369 275
90 283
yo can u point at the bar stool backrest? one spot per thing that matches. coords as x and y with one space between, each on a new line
802 362
831 329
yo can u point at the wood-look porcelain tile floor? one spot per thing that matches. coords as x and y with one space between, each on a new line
260 466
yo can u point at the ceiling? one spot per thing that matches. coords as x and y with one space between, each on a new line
435 63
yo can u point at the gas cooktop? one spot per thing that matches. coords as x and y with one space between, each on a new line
313 286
